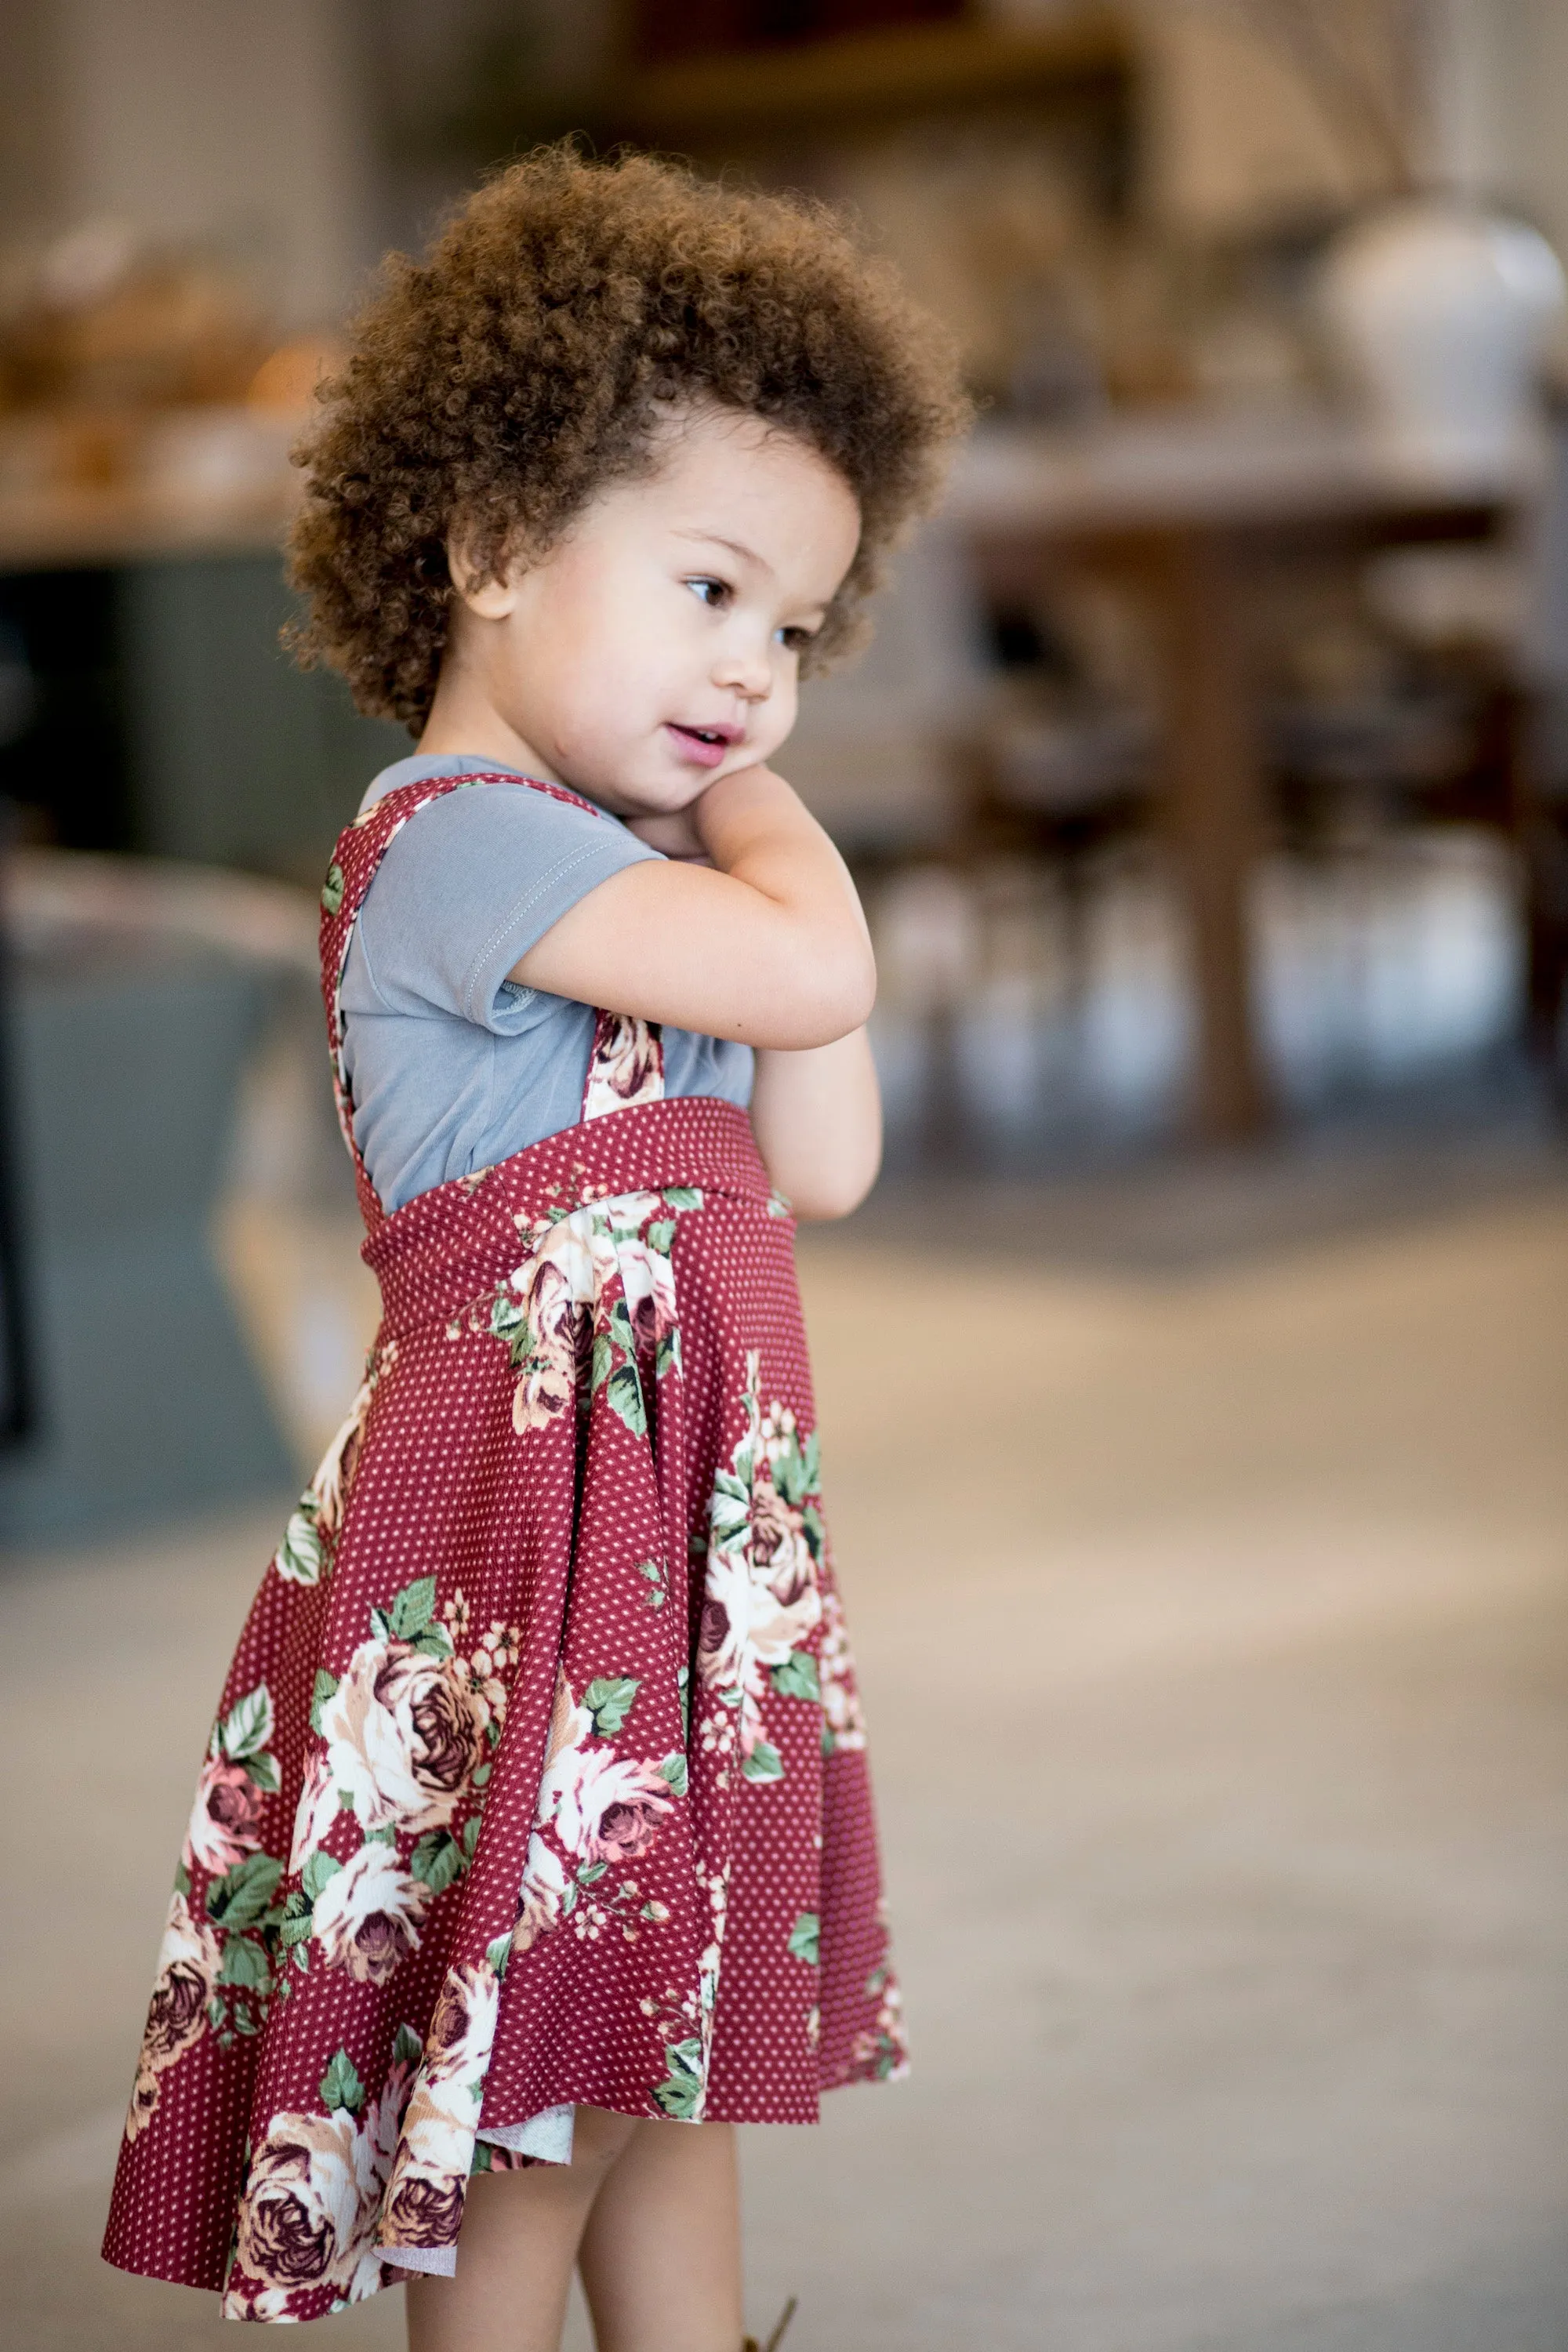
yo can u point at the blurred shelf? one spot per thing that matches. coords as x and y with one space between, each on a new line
878 77
1207 465
67 528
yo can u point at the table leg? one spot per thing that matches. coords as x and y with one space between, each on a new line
1199 588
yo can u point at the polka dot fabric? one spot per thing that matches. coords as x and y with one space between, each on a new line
539 1775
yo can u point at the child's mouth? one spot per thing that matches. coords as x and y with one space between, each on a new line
706 746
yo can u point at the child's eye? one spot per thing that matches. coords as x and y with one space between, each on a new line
796 641
715 593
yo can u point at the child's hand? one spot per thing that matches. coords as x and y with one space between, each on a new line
674 833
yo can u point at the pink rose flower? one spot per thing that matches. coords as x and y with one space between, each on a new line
225 1818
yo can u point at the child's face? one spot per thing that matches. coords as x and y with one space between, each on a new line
657 646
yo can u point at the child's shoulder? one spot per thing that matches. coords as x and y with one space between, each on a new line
480 874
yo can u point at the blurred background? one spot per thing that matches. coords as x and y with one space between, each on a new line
1196 1376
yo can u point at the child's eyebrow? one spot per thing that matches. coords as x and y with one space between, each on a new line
716 539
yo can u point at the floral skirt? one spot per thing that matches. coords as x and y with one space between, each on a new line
539 1775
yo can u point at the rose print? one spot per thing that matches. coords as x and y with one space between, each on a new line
626 1064
403 1735
225 1818
436 2147
313 2193
366 1917
188 1962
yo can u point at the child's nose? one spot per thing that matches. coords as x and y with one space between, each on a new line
745 669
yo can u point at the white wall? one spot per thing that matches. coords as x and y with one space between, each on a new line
241 120
1234 137
1502 111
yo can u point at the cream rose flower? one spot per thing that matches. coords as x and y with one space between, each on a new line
403 1737
310 2207
649 1278
435 2149
313 1814
627 1067
333 1480
366 1917
544 1888
188 1962
556 1288
606 1808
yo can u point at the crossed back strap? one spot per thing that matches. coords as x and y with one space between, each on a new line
625 1064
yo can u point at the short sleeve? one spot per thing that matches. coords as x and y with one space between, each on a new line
469 884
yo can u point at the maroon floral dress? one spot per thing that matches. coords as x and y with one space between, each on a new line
539 1775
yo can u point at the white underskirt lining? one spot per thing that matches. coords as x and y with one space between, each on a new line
546 2136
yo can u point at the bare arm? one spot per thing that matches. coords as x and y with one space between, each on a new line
768 946
817 1118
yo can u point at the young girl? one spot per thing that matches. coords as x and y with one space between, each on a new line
533 1849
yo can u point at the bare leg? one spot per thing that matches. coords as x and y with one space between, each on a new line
661 2254
519 2239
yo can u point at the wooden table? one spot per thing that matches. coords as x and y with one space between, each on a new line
1188 509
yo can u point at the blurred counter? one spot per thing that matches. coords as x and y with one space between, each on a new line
1187 510
71 526
1212 467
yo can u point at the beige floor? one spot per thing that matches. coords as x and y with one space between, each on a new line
1214 1636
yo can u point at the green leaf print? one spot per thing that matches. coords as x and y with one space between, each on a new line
244 1895
653 1571
319 1868
303 1555
623 1390
333 890
660 1234
325 1689
406 2047
482 2158
673 1770
508 1321
437 1860
470 1834
434 1643
806 1937
247 1726
621 1331
815 1532
683 1196
608 1699
590 1873
763 1763
340 2085
679 2093
604 1360
796 1677
683 1685
182 1879
245 1963
412 1609
666 1355
499 1954
263 1772
296 1923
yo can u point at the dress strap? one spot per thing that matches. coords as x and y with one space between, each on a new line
625 1064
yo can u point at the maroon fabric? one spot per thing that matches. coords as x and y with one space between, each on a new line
539 1775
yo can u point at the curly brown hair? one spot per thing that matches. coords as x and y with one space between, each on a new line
525 362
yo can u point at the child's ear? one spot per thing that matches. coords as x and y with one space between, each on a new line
489 598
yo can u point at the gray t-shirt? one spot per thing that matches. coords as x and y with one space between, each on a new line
451 1065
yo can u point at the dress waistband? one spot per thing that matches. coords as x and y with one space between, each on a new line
446 1246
